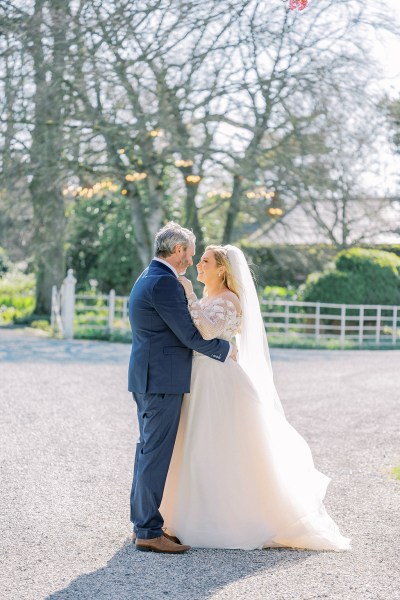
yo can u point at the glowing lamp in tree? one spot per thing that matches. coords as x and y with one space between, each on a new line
275 208
193 179
183 163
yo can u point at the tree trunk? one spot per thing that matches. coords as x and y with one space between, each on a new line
140 229
233 210
192 217
47 143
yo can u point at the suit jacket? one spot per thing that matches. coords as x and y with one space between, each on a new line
163 334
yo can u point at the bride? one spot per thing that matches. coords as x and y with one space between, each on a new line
240 476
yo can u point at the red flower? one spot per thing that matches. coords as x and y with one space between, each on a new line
298 4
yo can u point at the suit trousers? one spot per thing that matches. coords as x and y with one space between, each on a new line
158 416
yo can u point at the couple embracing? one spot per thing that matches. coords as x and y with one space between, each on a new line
217 464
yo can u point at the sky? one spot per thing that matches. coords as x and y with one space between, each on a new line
385 47
387 50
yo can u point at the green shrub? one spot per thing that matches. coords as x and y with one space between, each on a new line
276 292
286 265
394 248
101 243
5 262
360 260
17 296
103 335
359 276
30 318
289 265
43 324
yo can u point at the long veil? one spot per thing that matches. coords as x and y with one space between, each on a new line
254 356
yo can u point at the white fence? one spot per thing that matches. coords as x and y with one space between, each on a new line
102 312
363 324
87 312
284 320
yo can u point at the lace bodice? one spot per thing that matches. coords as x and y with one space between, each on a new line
214 318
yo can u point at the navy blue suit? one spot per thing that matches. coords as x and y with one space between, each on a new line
163 337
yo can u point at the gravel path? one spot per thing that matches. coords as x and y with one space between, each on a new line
68 432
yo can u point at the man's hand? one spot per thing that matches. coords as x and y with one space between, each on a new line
187 285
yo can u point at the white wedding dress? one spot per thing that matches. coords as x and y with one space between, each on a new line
240 475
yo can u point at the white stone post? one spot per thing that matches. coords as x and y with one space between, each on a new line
68 305
111 310
53 305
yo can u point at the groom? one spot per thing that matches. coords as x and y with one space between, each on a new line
163 337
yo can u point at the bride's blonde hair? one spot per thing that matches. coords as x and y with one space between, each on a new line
221 258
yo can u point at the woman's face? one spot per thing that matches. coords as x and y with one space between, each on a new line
207 270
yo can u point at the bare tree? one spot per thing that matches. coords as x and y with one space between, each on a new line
38 34
197 111
15 208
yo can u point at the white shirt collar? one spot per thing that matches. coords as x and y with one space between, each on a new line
161 260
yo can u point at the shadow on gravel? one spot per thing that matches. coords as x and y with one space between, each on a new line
137 575
25 349
22 349
18 346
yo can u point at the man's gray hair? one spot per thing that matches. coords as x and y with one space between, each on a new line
171 235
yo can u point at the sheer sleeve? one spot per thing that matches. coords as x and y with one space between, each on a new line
215 319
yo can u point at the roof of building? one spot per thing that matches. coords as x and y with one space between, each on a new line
368 220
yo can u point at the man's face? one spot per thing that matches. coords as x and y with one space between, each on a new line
185 258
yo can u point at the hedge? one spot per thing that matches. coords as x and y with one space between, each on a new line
359 276
290 265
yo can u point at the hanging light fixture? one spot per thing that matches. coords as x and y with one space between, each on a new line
184 163
193 179
275 208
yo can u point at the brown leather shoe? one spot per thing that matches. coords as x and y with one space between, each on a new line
173 538
160 544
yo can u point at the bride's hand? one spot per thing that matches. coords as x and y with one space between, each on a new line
234 355
187 285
